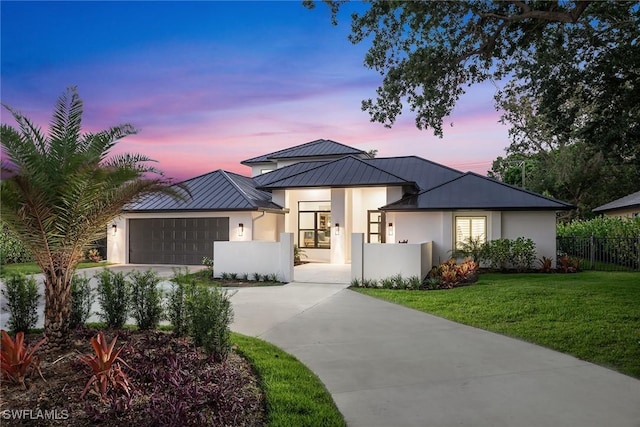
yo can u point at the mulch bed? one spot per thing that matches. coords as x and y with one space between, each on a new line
174 384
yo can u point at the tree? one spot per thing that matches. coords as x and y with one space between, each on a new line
428 51
59 191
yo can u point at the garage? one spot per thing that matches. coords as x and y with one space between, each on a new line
178 241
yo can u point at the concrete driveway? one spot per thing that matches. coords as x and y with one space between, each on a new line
387 365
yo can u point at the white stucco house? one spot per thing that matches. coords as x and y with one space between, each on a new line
323 192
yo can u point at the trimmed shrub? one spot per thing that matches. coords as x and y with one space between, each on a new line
22 302
113 297
146 299
497 253
82 300
176 301
604 226
502 254
210 313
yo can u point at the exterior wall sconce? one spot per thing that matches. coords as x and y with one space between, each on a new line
337 229
240 230
390 228
114 228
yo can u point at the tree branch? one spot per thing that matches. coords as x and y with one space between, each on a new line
543 15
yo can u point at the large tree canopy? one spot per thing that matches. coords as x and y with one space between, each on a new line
429 51
59 191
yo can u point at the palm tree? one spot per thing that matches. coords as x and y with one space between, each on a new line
59 192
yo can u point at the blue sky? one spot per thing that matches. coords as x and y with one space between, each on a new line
209 84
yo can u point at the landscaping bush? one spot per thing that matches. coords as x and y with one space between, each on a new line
450 274
22 302
146 299
210 314
113 297
176 301
81 300
605 226
503 254
11 248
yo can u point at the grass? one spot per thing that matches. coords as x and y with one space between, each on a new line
295 396
32 267
592 315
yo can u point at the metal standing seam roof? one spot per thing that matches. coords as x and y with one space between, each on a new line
287 171
425 173
348 171
219 190
628 201
317 148
473 191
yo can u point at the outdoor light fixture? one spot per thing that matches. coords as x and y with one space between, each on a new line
390 229
240 229
114 228
337 229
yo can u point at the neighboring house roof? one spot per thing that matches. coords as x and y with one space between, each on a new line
348 171
473 191
317 148
216 191
425 173
629 201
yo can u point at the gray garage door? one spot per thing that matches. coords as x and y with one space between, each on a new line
182 241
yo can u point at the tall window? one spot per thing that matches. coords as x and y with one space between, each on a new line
314 225
474 227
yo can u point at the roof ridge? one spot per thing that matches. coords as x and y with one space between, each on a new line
237 187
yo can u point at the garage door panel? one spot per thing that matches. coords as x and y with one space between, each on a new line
175 240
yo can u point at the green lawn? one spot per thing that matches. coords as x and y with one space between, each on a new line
32 267
295 396
592 315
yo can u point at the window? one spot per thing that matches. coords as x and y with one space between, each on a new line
375 227
474 227
314 225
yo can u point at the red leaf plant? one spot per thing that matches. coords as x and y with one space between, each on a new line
105 365
16 360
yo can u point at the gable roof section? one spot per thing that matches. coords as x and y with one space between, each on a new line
348 171
216 191
628 201
425 173
473 191
317 148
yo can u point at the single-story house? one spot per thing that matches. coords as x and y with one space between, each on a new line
627 206
322 192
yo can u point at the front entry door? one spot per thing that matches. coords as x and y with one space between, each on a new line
375 227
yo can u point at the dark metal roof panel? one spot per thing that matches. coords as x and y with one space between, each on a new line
628 201
425 173
287 171
345 172
473 191
217 190
317 148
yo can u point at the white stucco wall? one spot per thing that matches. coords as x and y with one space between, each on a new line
538 226
422 227
255 257
380 261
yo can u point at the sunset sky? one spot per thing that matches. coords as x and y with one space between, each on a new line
209 84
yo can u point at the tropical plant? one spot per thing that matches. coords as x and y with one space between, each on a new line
16 359
298 254
146 299
22 302
106 372
60 192
93 255
82 299
470 247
